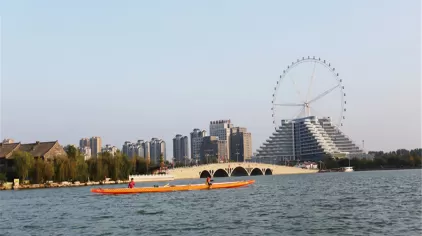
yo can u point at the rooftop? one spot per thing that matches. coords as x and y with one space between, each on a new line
36 149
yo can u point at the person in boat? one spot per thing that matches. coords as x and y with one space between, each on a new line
209 181
131 184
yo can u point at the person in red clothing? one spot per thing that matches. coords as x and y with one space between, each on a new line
131 184
209 181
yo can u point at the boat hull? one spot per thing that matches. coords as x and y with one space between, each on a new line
161 189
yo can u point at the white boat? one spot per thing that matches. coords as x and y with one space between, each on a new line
348 169
151 178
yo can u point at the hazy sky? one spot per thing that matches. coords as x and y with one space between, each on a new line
128 70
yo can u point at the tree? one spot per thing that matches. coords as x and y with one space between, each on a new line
93 169
126 168
23 163
37 172
62 169
330 162
106 161
48 171
379 162
59 170
3 177
213 159
72 165
71 151
141 166
178 164
161 160
147 162
81 171
115 166
133 164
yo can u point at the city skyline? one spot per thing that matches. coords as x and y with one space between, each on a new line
92 69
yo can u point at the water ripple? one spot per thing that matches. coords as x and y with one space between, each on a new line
359 203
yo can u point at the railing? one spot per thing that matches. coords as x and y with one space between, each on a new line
232 164
149 175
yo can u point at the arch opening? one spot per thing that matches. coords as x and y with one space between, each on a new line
256 171
221 173
239 171
268 172
205 174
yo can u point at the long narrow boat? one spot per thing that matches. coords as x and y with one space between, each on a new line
172 188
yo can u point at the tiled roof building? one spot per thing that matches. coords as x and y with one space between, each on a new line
44 150
6 149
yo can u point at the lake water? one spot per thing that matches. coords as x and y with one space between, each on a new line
358 203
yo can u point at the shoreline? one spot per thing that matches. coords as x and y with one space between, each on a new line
79 184
374 169
62 185
393 168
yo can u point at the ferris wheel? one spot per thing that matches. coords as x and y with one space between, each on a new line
315 87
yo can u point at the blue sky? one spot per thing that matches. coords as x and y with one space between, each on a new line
128 70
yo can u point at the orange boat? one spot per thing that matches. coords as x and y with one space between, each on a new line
172 188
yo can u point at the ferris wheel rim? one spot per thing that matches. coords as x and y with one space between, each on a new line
330 68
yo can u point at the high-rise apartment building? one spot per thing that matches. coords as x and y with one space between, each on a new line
196 138
110 149
84 142
240 144
180 148
86 151
213 148
221 129
146 146
157 148
126 147
95 143
139 149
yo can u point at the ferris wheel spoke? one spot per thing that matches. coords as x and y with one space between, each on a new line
324 94
315 112
300 112
297 90
310 83
288 104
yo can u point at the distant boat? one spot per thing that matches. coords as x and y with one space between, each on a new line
341 169
348 169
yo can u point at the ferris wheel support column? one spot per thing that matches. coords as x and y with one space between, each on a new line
308 109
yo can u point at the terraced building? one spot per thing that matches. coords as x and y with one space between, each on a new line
308 138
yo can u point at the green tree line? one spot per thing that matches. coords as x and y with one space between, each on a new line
73 167
399 159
